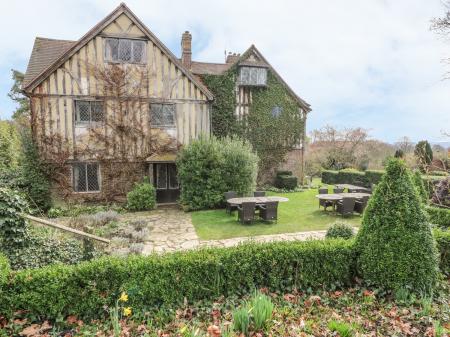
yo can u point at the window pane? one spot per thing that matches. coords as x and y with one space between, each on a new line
276 111
253 75
161 176
168 114
173 179
92 177
112 49
96 111
82 111
138 51
79 178
124 50
156 117
245 75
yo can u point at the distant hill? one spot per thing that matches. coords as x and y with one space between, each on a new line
445 145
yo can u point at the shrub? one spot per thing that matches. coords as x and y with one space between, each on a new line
153 280
424 154
395 245
373 177
209 167
329 177
94 220
287 182
142 197
340 230
420 187
351 176
439 216
443 243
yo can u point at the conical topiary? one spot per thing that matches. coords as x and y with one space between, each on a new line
395 246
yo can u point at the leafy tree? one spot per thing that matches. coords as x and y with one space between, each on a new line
395 246
424 154
23 108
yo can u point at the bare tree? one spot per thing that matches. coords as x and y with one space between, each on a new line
405 144
441 25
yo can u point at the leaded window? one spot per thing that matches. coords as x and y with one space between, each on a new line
162 115
276 111
86 177
125 50
88 111
253 76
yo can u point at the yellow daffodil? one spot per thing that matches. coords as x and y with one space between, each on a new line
123 297
127 311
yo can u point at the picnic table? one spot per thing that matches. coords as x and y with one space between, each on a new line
257 200
352 187
339 196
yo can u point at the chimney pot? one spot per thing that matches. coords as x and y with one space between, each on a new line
232 57
186 49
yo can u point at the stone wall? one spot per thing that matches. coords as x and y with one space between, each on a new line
294 163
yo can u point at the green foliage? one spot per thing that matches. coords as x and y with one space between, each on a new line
344 329
17 95
223 106
395 244
84 289
5 269
261 310
351 176
286 181
9 146
340 230
241 320
439 216
424 154
420 187
76 210
35 175
443 243
142 197
209 167
270 136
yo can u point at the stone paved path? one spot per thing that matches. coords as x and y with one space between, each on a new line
171 229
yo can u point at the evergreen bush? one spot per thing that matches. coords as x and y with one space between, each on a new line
395 246
142 197
418 183
439 216
208 167
340 230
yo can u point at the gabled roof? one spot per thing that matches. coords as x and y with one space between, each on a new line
202 68
71 50
45 52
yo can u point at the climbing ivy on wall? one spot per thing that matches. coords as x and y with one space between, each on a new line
223 107
272 133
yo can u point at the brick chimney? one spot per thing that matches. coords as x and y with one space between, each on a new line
232 57
186 49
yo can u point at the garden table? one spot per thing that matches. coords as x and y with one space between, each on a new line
335 197
351 187
257 200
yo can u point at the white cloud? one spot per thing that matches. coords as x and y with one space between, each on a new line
373 63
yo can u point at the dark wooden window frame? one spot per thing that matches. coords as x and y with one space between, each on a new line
174 114
99 179
108 59
77 120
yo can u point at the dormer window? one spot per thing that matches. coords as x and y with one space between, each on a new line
125 50
253 76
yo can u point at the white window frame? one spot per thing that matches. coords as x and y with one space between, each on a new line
108 56
99 180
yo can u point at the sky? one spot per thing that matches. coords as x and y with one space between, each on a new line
373 64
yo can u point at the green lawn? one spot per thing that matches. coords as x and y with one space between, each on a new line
300 213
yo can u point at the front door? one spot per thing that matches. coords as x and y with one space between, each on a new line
166 182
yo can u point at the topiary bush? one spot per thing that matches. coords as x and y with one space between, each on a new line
287 182
439 216
372 177
330 177
208 167
340 230
142 197
418 183
395 245
443 242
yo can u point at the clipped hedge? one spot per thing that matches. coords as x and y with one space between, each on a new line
287 182
350 176
443 243
85 289
439 216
